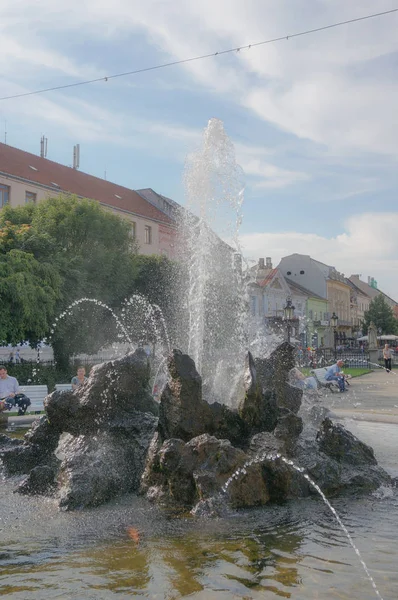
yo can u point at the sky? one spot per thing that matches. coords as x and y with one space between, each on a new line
313 118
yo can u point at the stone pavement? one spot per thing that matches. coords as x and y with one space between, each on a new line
371 397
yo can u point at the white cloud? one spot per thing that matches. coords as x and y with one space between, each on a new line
325 87
368 245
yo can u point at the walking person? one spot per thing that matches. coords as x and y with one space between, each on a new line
387 355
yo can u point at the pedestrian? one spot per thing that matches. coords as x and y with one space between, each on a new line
17 357
11 357
387 355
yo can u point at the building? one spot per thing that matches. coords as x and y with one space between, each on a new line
315 328
325 282
370 290
269 294
359 305
25 177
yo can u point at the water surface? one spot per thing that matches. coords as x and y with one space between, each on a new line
291 551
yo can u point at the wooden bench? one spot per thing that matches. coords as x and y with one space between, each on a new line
36 395
63 387
319 375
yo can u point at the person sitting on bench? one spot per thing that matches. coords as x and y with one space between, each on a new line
334 374
8 389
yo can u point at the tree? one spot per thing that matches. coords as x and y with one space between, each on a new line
382 316
29 292
67 249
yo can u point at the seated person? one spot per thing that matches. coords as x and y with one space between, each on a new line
79 379
334 373
8 389
298 379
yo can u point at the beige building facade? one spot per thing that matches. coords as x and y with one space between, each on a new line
26 178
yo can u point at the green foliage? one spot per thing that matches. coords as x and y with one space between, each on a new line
382 316
64 249
29 292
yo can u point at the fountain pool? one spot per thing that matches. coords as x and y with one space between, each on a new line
291 551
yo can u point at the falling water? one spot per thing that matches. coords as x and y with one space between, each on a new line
145 320
214 196
277 456
68 312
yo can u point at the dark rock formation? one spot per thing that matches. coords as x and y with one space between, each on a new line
93 442
343 446
182 474
272 375
40 481
183 413
258 409
106 439
19 457
112 389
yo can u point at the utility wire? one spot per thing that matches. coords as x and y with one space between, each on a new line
203 56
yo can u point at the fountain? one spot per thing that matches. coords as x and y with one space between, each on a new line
227 422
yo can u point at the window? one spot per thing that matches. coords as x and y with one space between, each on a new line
148 234
30 197
133 229
301 272
310 314
4 194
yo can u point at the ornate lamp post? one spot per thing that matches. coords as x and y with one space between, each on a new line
333 324
288 315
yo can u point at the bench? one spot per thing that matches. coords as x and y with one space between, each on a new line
63 387
36 395
319 375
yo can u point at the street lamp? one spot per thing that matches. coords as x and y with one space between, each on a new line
333 323
288 315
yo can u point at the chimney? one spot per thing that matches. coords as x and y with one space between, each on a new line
369 281
268 262
43 146
261 263
76 156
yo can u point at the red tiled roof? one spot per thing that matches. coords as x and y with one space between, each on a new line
17 163
268 278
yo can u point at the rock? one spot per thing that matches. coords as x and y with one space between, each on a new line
289 427
343 446
227 424
265 442
113 388
19 459
43 434
183 413
7 441
183 474
258 409
272 376
96 468
41 481
249 489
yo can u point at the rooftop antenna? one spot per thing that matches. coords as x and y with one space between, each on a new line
5 132
76 156
105 174
43 146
